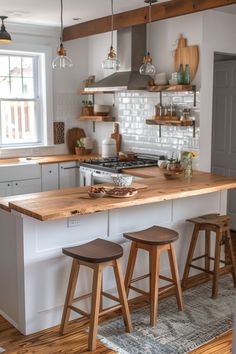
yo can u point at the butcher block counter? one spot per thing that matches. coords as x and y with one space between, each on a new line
69 202
34 229
50 159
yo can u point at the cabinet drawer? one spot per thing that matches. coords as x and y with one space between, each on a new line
49 177
68 174
26 186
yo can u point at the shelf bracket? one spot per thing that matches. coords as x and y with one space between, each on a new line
159 130
94 127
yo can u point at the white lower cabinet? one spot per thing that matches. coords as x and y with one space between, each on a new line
68 174
5 189
49 177
26 186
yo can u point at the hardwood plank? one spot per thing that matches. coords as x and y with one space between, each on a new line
75 201
160 11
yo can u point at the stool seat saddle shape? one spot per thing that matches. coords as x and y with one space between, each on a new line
97 254
155 240
220 225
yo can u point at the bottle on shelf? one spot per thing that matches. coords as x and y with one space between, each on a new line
180 75
187 75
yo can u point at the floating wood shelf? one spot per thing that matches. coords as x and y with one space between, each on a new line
171 88
83 92
97 118
179 123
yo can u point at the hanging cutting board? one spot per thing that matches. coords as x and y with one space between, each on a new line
73 135
186 55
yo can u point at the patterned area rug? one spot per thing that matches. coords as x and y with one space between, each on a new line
177 332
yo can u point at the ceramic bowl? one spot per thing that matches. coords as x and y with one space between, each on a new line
122 180
97 195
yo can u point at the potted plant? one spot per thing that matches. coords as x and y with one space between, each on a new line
79 148
87 108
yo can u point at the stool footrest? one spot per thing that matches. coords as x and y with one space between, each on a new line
79 311
162 277
110 309
202 269
140 291
166 289
82 297
110 296
140 278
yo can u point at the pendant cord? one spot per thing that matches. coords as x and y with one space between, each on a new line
112 23
149 25
61 36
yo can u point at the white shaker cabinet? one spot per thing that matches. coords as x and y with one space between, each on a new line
5 189
26 186
68 172
50 177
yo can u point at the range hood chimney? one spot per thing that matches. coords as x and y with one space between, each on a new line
131 48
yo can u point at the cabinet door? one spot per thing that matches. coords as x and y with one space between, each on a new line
26 186
5 189
49 177
68 174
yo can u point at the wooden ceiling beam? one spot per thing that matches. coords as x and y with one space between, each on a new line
139 16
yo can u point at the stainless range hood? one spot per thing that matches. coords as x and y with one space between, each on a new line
131 48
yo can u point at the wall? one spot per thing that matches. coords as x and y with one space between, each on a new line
216 38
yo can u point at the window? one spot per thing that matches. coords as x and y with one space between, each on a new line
21 107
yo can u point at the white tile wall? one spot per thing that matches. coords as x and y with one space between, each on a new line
134 107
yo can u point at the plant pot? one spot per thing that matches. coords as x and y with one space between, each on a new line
87 111
80 150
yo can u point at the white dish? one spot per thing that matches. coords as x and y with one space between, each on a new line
127 195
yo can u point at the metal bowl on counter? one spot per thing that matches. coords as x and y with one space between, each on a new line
122 180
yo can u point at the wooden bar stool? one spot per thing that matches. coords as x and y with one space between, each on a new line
98 255
220 224
155 240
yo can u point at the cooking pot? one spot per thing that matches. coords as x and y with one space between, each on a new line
108 148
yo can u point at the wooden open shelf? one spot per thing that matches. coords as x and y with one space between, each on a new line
178 123
97 118
171 88
83 92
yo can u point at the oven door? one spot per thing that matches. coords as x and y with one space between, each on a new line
99 177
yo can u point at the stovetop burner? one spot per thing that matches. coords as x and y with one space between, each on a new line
117 165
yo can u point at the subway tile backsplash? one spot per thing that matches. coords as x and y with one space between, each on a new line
134 107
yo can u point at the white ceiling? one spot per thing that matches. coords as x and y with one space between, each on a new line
47 12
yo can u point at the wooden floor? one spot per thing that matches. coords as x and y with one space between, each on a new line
49 342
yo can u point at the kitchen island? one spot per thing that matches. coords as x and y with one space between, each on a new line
35 227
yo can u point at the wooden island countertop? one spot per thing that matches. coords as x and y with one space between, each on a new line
65 203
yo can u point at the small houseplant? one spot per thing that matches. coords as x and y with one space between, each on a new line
87 108
79 148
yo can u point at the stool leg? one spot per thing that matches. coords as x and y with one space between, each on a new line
190 254
216 264
207 250
130 266
122 295
155 271
69 295
231 256
175 277
96 295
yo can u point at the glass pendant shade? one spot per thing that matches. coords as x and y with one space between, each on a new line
147 68
4 35
62 61
111 62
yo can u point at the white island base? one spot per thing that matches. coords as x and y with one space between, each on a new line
34 273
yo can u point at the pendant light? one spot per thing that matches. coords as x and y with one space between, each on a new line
111 62
147 68
4 35
62 61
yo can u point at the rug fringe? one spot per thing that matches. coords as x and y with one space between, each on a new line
111 345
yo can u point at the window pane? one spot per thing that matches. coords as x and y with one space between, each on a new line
16 87
27 67
15 66
28 88
4 65
18 122
4 87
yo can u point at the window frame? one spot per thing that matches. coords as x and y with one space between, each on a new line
44 90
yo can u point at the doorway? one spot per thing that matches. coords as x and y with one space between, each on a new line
223 159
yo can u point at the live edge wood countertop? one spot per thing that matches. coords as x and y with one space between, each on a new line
68 202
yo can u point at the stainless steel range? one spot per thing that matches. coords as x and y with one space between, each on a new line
100 171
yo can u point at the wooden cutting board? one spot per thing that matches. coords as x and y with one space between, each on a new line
117 136
73 135
186 55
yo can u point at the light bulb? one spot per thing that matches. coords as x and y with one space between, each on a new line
109 63
62 61
147 69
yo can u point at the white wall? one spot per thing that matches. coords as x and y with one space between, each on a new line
218 36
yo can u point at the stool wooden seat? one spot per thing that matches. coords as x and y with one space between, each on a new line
220 225
155 240
97 254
